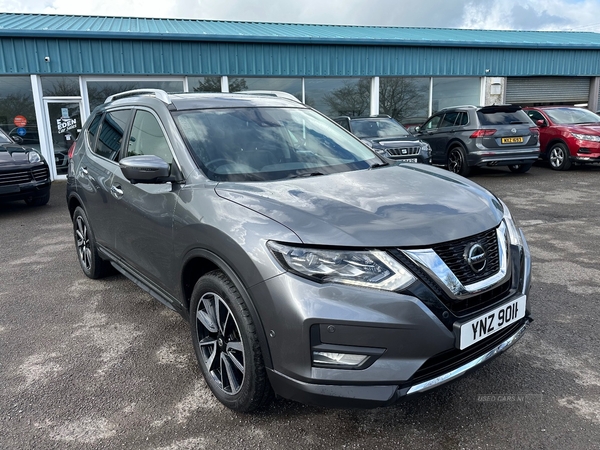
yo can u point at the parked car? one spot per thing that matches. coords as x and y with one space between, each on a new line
463 137
24 174
388 138
306 265
567 135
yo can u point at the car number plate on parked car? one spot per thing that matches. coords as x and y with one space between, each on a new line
410 160
512 140
487 324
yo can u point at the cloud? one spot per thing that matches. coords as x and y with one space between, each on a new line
581 15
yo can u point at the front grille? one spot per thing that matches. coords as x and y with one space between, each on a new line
403 151
452 253
18 177
465 306
41 173
451 359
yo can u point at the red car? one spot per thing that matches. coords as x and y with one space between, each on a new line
567 135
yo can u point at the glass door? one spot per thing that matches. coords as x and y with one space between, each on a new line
64 125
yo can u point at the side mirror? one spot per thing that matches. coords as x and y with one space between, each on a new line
540 123
145 169
417 129
18 139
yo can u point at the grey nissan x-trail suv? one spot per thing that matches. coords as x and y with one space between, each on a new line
307 265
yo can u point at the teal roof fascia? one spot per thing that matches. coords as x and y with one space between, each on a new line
92 27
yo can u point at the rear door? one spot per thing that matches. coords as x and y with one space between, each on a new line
103 140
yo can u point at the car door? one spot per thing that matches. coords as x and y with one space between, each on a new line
430 133
103 140
536 115
143 213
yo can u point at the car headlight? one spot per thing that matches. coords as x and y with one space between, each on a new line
425 148
586 137
33 157
513 232
374 269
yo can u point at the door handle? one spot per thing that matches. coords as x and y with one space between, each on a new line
116 191
84 171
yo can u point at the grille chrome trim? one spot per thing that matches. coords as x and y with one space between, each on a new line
429 261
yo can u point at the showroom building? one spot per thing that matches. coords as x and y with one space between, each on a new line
55 69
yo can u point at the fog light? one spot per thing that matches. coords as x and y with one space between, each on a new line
338 359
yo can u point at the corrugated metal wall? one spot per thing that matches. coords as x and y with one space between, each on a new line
165 57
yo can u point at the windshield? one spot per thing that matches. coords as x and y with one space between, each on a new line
572 116
373 128
259 144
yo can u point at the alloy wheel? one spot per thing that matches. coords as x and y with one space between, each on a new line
557 157
83 244
220 343
455 161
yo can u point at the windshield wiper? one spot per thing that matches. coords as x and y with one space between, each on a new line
376 165
306 174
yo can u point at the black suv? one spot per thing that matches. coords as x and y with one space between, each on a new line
24 174
388 138
307 265
462 137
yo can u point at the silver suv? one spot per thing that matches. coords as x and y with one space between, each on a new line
306 265
463 137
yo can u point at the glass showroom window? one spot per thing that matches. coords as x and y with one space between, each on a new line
98 91
454 91
60 86
17 111
290 85
204 84
405 99
339 96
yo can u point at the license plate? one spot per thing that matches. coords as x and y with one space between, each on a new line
409 160
512 140
489 323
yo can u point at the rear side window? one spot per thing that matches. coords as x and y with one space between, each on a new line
93 130
110 136
503 118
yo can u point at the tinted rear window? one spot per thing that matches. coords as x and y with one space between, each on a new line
503 118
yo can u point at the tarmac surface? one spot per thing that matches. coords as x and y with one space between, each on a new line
100 364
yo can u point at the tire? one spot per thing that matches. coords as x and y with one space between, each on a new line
519 168
87 253
558 156
457 161
38 201
226 344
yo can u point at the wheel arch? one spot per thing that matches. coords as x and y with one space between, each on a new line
554 141
199 262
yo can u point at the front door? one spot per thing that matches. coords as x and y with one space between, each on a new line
64 122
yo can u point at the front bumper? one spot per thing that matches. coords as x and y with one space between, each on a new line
374 396
24 183
411 335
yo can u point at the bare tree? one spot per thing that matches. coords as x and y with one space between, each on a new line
352 99
213 84
400 98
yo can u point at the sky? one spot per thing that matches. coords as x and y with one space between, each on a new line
560 15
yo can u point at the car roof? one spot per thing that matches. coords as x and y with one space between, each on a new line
205 100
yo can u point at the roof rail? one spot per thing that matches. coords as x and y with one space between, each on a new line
158 93
272 94
458 106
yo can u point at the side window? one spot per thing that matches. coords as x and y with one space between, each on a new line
344 123
147 138
449 119
462 119
110 136
433 123
535 115
92 130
